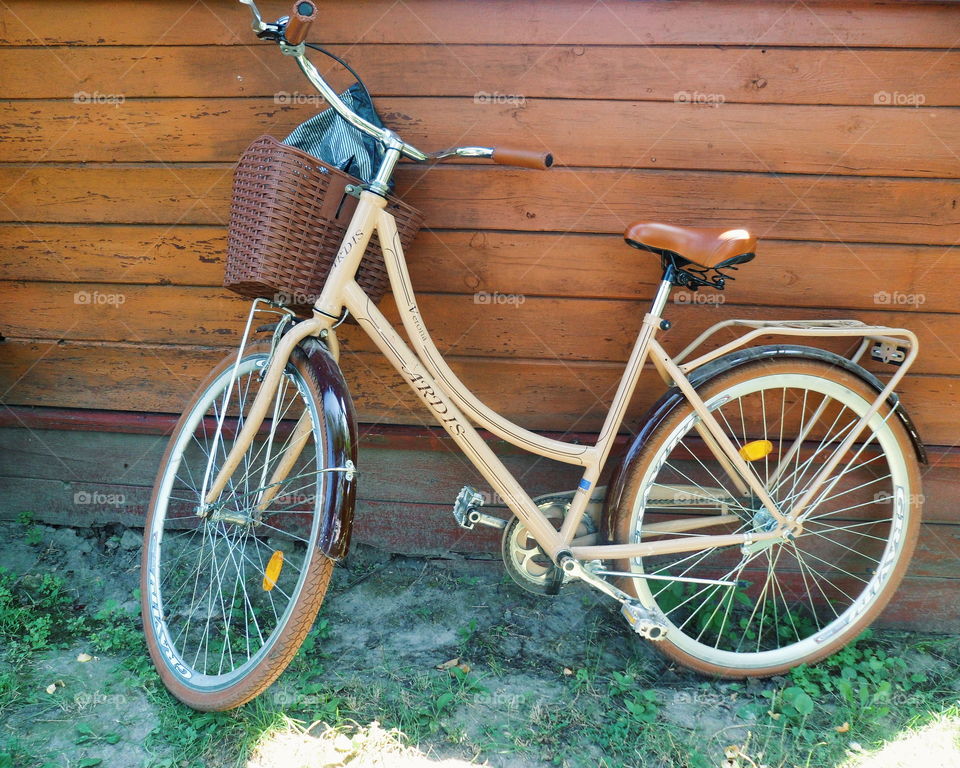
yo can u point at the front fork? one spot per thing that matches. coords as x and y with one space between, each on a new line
316 326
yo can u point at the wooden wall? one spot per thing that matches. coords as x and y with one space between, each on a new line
831 129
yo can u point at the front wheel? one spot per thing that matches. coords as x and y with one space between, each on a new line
787 602
228 598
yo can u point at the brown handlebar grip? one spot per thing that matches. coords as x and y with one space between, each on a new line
301 17
523 158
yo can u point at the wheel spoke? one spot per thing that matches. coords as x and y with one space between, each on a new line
220 609
785 591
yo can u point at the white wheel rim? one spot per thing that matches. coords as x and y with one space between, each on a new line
899 481
184 668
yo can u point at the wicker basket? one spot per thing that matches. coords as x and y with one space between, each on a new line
287 219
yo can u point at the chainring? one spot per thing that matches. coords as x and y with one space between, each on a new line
528 565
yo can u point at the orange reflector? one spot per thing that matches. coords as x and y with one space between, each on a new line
758 449
273 570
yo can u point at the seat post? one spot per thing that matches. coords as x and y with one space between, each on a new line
663 292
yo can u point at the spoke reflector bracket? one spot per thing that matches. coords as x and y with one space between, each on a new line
273 570
756 450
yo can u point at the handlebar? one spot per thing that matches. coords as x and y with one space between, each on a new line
303 15
291 33
522 158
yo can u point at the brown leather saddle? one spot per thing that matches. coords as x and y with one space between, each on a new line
707 248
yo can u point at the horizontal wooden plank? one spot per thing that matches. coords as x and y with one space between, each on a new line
477 325
398 464
377 436
705 75
430 471
408 528
387 437
182 255
562 265
405 527
166 22
738 137
923 605
918 211
562 396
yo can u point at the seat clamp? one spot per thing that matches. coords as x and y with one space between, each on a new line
652 320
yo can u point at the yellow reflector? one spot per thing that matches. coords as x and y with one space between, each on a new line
756 450
273 570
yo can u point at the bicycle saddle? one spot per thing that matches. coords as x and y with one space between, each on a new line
709 248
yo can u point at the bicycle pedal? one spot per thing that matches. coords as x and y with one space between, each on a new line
466 511
650 625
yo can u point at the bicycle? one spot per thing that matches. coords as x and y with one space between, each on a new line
764 513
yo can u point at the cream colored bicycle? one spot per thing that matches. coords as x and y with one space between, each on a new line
763 515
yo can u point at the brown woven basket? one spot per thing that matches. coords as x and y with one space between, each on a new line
287 219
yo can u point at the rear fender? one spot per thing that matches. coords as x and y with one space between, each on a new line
672 398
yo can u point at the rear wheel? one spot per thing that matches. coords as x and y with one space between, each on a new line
228 598
789 602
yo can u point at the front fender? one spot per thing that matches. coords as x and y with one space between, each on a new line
673 398
339 446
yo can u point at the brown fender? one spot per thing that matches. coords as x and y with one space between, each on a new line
339 446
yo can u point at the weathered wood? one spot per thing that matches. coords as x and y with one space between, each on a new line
429 471
889 141
478 325
408 479
408 527
710 74
789 207
568 265
408 464
168 22
541 395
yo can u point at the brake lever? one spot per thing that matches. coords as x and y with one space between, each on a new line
259 26
273 32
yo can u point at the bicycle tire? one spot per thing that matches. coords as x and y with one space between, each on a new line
710 644
195 687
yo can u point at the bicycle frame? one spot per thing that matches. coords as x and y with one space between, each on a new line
451 402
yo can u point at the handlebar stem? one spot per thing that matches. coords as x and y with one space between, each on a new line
381 182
